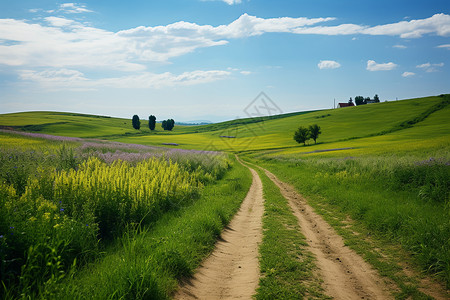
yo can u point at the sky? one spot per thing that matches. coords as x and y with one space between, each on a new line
194 60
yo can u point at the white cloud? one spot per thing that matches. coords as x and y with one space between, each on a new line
373 66
438 24
59 22
328 64
57 42
60 79
429 67
446 46
231 2
246 72
408 74
73 8
400 46
79 44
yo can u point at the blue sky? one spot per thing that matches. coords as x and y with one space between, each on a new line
207 60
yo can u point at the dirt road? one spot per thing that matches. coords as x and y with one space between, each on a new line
232 270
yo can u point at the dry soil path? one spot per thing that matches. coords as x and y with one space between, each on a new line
345 274
232 270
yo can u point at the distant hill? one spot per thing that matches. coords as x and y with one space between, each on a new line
340 127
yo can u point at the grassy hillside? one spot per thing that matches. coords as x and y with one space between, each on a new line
354 127
74 125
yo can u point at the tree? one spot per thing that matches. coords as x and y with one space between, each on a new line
301 135
152 122
350 101
168 124
136 122
314 131
366 100
359 100
376 98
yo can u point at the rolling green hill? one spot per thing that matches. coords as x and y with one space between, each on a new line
422 121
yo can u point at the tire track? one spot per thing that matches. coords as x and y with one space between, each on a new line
232 270
345 274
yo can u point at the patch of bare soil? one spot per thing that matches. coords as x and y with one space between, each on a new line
232 270
345 274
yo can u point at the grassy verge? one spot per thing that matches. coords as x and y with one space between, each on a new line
392 214
287 268
147 264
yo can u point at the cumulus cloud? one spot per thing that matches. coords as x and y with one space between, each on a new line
438 24
328 64
408 74
429 67
73 8
373 66
62 43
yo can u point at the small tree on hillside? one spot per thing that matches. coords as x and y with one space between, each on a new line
301 135
152 122
314 131
376 98
171 123
136 122
168 124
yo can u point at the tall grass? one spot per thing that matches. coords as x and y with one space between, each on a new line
148 262
60 206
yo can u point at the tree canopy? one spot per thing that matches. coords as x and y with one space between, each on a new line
168 124
136 122
151 122
314 131
301 135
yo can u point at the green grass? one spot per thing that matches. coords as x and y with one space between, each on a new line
77 125
251 134
147 264
287 268
388 195
384 179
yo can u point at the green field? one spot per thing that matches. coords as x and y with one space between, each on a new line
384 165
340 128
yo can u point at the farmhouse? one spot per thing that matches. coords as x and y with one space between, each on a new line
345 104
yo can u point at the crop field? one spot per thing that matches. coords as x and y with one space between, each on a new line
91 208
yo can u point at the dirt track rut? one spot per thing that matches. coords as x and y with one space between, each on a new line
345 274
232 270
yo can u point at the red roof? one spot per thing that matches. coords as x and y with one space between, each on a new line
345 104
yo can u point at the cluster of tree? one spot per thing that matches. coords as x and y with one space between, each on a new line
166 124
303 134
360 100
